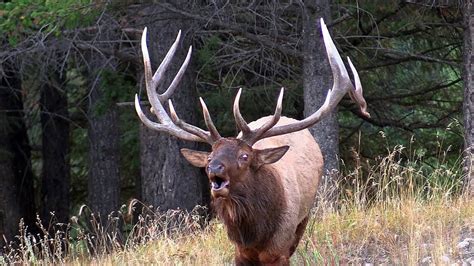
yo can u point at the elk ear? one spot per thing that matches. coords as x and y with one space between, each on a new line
270 155
196 158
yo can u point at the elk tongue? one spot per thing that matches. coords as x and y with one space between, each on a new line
219 184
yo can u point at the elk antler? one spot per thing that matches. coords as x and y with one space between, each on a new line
173 126
252 136
341 86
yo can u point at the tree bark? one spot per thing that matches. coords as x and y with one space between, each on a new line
16 178
104 178
317 80
103 132
468 106
168 181
55 149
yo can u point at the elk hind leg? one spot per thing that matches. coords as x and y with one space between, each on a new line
299 234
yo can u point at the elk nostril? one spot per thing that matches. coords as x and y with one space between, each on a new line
215 168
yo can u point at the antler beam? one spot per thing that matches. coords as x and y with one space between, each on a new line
341 86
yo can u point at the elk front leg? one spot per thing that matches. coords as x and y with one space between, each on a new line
246 257
269 259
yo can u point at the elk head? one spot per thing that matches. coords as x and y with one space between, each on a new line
231 163
233 160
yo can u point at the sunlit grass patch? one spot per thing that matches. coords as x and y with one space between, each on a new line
403 233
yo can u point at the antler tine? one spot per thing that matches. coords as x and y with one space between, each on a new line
341 85
255 135
173 126
166 95
239 120
152 82
146 58
207 119
188 127
167 128
356 94
341 81
149 84
157 77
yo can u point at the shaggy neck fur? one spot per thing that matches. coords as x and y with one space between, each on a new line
252 211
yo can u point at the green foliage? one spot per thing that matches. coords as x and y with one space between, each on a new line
78 160
20 18
205 56
130 153
115 86
79 165
416 96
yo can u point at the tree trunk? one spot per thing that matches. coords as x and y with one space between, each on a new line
104 177
103 131
55 149
168 180
16 177
469 97
317 80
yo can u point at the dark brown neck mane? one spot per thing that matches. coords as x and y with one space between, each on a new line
252 212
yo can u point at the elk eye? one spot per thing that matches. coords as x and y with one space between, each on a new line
244 157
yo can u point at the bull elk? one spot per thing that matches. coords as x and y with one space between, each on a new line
264 181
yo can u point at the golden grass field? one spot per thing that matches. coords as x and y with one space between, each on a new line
394 213
407 233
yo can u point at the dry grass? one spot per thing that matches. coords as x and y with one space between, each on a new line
403 233
407 233
396 213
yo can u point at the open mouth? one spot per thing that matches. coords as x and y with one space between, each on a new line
219 183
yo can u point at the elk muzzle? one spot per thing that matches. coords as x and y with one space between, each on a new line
215 168
219 183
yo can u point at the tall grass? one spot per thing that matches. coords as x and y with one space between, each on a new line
395 210
393 178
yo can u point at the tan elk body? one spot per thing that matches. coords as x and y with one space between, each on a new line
302 178
264 181
300 181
